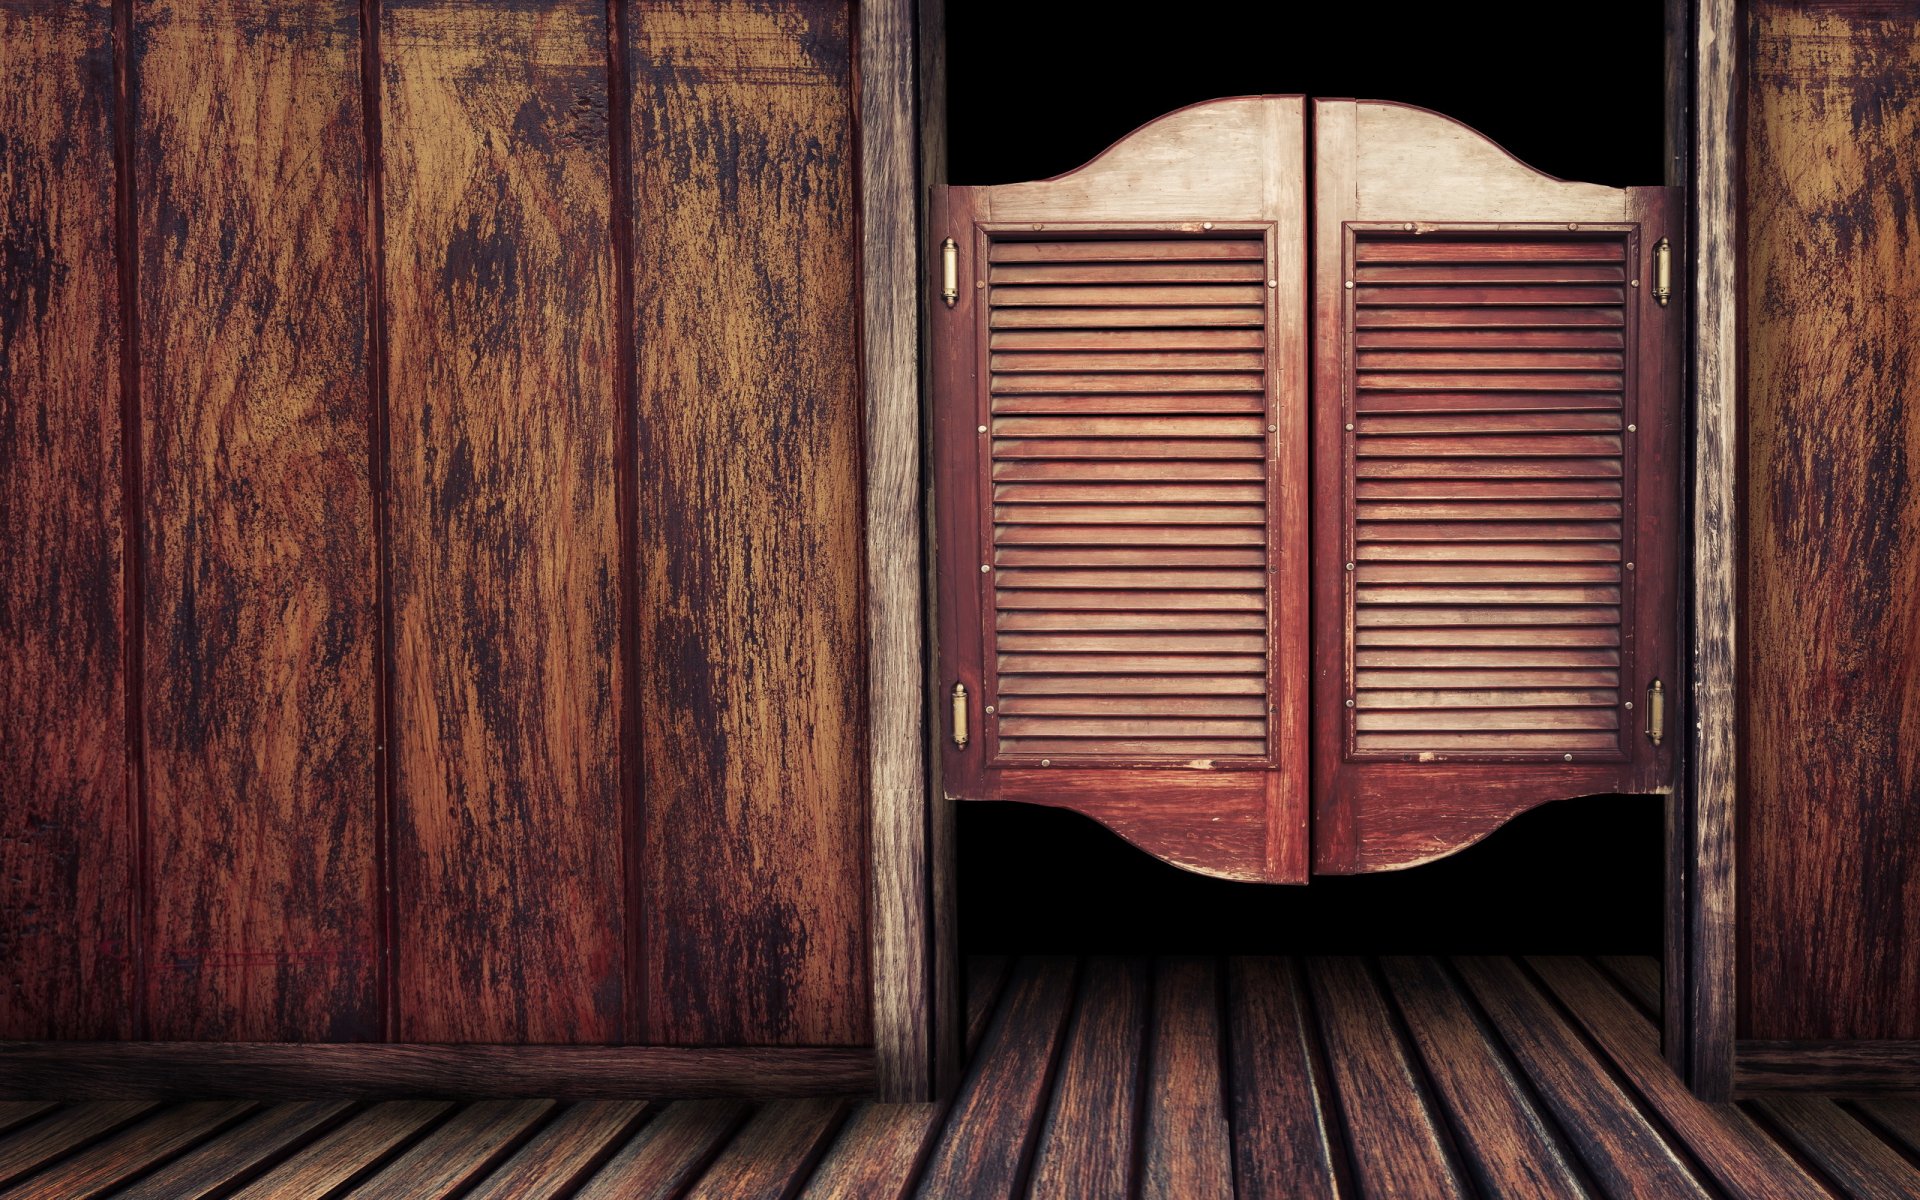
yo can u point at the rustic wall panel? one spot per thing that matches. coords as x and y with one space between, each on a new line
66 839
1830 840
504 522
754 831
259 572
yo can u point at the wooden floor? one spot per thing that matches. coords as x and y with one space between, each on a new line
1191 1078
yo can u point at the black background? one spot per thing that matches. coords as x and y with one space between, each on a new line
1037 88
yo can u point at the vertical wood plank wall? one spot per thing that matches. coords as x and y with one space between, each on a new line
66 832
752 673
464 639
1830 820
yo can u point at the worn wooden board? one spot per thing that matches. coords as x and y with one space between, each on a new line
1830 836
344 1153
564 1153
132 1152
468 1146
67 839
1286 1139
499 278
876 1152
208 1169
1088 1145
258 578
668 1152
1187 1148
773 1153
753 836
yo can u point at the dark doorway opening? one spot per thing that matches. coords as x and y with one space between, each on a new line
1038 87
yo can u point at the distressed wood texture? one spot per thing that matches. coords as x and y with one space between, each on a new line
754 830
259 577
504 522
1830 826
66 840
915 1021
1700 1026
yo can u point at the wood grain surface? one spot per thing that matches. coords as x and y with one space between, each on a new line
208 1169
1089 1143
754 831
258 575
67 837
1830 835
504 523
1187 1147
1286 1139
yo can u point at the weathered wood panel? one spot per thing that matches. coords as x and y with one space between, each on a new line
751 614
66 841
259 578
499 277
1830 838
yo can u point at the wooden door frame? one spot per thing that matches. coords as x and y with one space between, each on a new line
900 95
1700 1001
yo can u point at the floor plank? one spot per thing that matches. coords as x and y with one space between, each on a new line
1507 1144
1639 975
878 1152
986 977
33 1146
130 1152
1284 1144
668 1152
1738 1152
1622 1148
207 1169
466 1147
1189 1150
772 1153
15 1113
984 1149
1086 1147
1396 1140
1900 1119
563 1153
342 1154
1849 1152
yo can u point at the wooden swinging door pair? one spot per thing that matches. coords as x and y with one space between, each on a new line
1287 534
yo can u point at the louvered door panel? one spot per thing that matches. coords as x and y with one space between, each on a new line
1127 467
1489 476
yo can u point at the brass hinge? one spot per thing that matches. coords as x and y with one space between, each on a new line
960 715
950 278
1662 278
1656 712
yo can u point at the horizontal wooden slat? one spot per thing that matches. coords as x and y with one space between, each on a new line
1488 510
1480 719
1154 271
1131 727
1489 594
1459 401
1490 531
1556 359
1126 250
1534 380
1129 427
1130 493
1482 272
1139 622
1517 315
1481 424
1535 295
1191 313
1376 249
1489 339
1004 448
1120 556
1486 489
1495 636
1509 677
1130 514
1368 572
1092 706
1129 535
1120 664
1491 743
1156 382
1394 698
1133 685
1215 601
1542 446
1099 403
1136 340
1156 295
1542 656
1135 643
1065 748
1515 468
1127 360
1161 470
1491 615
1201 578
1488 551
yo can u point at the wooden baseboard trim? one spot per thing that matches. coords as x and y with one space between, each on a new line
1862 1068
280 1071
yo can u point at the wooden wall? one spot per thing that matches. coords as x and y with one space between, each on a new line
1830 815
430 484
